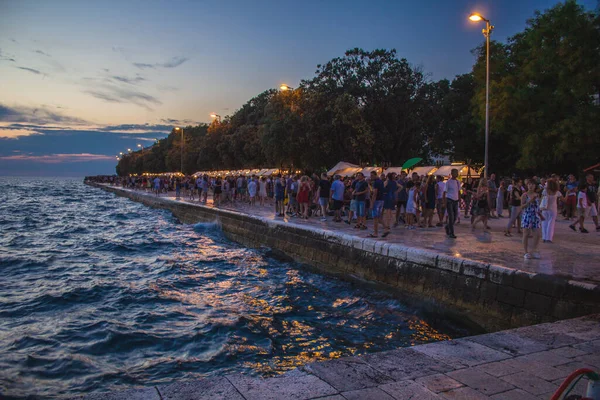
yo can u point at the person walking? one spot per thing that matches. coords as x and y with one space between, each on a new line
549 207
452 191
481 211
500 199
430 201
440 187
360 196
324 194
592 199
390 189
582 208
530 220
377 193
336 197
514 199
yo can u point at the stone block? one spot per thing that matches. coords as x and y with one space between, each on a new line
298 386
522 317
564 309
510 295
501 275
582 292
439 382
216 388
539 304
448 263
421 257
398 252
461 353
475 269
405 363
488 291
529 383
409 390
480 381
347 374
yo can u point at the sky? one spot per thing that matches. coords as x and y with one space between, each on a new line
81 81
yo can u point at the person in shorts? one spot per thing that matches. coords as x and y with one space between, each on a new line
402 199
361 190
440 200
337 197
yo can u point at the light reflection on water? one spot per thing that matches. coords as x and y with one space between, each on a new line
100 293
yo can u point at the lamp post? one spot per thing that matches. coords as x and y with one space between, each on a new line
216 117
181 129
283 87
487 31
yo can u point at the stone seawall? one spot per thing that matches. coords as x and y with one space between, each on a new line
493 297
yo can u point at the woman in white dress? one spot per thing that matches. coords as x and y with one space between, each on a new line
262 192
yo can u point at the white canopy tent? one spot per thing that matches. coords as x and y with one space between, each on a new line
463 171
395 170
342 165
427 170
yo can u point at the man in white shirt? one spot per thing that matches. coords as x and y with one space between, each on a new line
452 191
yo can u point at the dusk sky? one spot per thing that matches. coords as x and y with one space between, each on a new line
81 81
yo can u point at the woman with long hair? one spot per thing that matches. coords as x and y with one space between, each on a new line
549 207
303 193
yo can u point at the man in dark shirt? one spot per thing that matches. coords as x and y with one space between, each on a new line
360 196
324 192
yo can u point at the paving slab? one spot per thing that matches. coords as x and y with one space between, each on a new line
133 394
348 373
405 364
409 390
372 393
480 381
500 368
529 383
464 393
439 383
515 394
298 386
509 343
461 353
216 388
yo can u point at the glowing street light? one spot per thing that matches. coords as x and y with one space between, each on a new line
216 117
129 150
139 145
487 31
121 153
285 87
176 130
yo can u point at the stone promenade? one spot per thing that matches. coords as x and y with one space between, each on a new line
572 255
521 364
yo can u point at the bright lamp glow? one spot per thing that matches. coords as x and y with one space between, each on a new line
213 115
475 17
284 87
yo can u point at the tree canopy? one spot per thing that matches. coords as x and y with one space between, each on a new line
371 107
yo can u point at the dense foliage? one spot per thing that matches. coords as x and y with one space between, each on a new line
370 107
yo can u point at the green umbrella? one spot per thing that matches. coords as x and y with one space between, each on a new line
411 163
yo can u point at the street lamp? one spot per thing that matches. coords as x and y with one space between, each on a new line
121 153
181 129
216 117
285 87
487 31
129 150
142 147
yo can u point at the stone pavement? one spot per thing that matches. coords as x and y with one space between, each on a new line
572 255
519 364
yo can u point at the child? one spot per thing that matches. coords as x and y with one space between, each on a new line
411 205
582 206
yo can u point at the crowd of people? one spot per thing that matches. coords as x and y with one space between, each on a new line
531 205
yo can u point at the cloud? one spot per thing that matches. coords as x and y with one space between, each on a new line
36 115
11 133
58 158
136 128
6 57
131 81
115 94
173 63
142 65
173 121
42 53
33 71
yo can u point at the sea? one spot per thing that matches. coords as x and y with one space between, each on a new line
99 293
